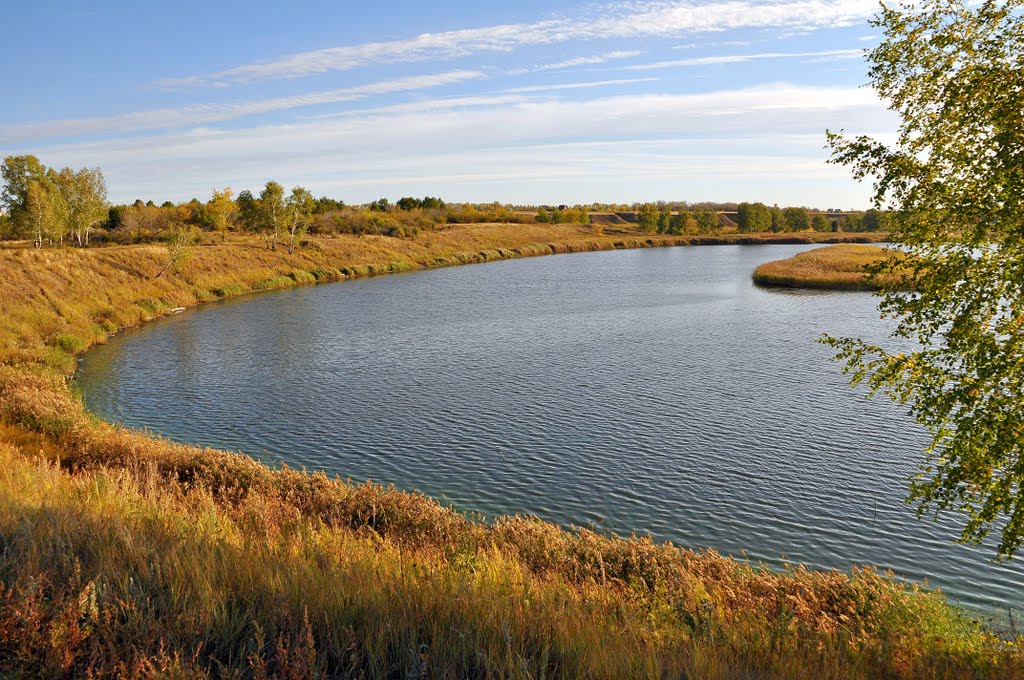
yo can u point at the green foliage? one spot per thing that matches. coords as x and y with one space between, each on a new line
17 173
299 211
248 211
426 203
955 178
270 212
683 223
874 220
85 197
180 239
796 219
46 205
753 217
821 223
647 218
665 220
220 209
707 220
326 205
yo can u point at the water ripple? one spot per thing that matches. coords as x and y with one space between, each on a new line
650 391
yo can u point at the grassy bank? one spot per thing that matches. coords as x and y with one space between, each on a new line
124 554
836 267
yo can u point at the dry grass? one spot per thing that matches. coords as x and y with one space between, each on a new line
837 267
123 554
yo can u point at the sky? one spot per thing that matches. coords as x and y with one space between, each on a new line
527 102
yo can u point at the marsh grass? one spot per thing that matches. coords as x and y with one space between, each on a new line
123 554
835 267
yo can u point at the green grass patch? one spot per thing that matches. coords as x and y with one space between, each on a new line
302 277
229 290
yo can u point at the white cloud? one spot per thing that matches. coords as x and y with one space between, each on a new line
577 86
515 148
631 21
200 114
588 61
743 58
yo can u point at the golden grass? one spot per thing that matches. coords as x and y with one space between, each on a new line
123 554
836 267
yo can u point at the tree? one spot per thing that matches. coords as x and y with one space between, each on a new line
45 212
584 216
820 223
326 205
753 217
954 179
221 208
796 219
85 195
299 208
18 172
664 220
647 218
141 222
179 242
853 222
874 220
683 223
271 213
248 211
707 220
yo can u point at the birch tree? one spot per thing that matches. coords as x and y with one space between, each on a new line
954 179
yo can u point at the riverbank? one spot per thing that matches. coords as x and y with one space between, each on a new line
128 554
835 267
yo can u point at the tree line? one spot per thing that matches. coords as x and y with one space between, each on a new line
50 206
753 217
53 207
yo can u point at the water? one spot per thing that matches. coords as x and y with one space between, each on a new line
651 391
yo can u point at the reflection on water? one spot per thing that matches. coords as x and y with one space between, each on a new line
640 391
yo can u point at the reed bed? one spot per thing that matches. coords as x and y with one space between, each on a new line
835 267
122 554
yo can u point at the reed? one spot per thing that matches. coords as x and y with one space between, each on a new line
836 267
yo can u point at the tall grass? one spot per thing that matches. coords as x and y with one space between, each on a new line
124 554
836 267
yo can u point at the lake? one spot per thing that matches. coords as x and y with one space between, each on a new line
651 391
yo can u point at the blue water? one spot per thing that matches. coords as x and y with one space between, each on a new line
651 391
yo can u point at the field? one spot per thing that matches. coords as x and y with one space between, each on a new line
124 554
836 267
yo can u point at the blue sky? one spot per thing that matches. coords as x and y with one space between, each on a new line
526 102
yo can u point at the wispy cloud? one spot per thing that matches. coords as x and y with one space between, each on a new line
543 148
588 61
579 86
743 58
203 114
633 20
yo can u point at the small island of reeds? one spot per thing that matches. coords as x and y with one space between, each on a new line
835 267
